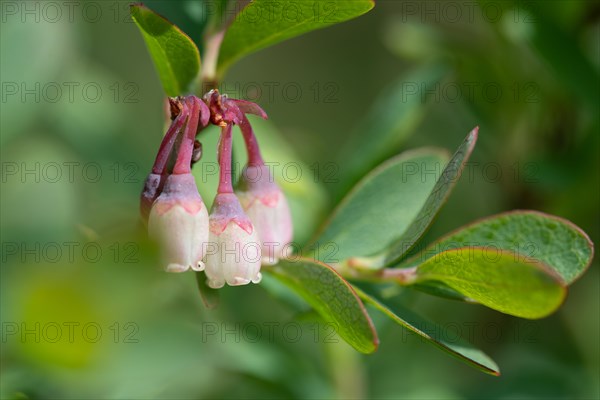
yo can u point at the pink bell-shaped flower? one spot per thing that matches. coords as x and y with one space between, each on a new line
233 252
266 206
178 221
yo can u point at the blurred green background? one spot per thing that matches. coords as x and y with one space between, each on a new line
85 311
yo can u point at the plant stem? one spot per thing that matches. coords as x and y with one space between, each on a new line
254 157
208 75
401 276
225 184
166 146
347 371
186 148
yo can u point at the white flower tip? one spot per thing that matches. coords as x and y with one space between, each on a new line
199 266
237 281
215 284
177 268
240 281
258 278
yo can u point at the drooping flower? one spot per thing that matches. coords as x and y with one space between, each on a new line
261 198
178 219
266 206
231 243
233 253
179 223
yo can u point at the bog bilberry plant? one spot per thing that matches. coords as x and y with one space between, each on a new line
231 242
519 263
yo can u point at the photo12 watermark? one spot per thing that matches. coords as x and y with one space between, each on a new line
69 332
53 12
476 332
469 12
278 92
70 252
269 332
70 92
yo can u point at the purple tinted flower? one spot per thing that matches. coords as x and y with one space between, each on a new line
266 206
233 253
179 223
261 198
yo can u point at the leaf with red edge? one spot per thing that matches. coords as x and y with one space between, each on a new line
502 280
558 243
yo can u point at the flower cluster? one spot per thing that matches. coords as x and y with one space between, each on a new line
245 228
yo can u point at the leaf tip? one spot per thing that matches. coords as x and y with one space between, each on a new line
136 6
375 340
490 368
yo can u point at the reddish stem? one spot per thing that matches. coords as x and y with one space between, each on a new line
225 184
254 157
186 148
166 146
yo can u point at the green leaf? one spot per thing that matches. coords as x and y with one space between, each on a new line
332 297
381 206
504 281
435 201
434 334
390 121
175 55
264 23
554 241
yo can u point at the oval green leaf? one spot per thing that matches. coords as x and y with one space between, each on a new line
504 281
175 56
381 206
434 334
332 297
263 23
554 241
435 201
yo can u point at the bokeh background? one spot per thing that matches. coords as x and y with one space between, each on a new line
87 314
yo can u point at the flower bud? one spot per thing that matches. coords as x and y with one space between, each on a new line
179 223
266 206
233 252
